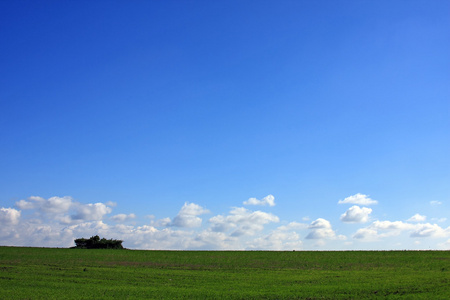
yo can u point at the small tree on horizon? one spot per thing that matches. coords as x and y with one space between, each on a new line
94 242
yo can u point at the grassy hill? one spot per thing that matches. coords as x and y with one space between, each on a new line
48 273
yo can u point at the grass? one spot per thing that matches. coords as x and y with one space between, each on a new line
46 273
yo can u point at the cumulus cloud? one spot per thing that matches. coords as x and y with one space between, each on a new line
111 204
188 216
94 226
91 212
136 237
359 199
236 233
445 245
277 240
149 237
367 234
396 226
268 200
434 202
208 239
57 221
321 230
123 217
53 222
430 230
439 220
417 218
221 223
284 237
242 221
356 214
53 205
64 209
161 223
378 230
293 226
23 204
383 229
9 216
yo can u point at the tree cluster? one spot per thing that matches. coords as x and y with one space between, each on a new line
94 242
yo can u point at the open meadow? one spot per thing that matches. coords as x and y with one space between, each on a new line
49 273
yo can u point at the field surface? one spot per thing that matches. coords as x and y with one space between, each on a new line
46 273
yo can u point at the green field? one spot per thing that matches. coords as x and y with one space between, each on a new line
46 273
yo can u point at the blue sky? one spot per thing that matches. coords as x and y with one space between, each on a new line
226 124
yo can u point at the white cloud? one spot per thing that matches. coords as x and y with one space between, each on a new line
221 223
89 228
368 234
57 221
53 205
123 217
242 221
64 209
111 204
284 237
435 202
91 212
277 240
23 204
395 226
268 200
57 205
439 220
9 216
161 223
356 214
188 216
445 245
232 232
137 237
293 226
430 230
193 209
382 229
417 218
321 230
149 237
320 223
360 199
208 239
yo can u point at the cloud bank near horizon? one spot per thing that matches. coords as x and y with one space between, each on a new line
57 221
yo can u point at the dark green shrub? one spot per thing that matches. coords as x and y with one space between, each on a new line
94 242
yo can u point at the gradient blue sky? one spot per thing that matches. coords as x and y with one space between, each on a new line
226 124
